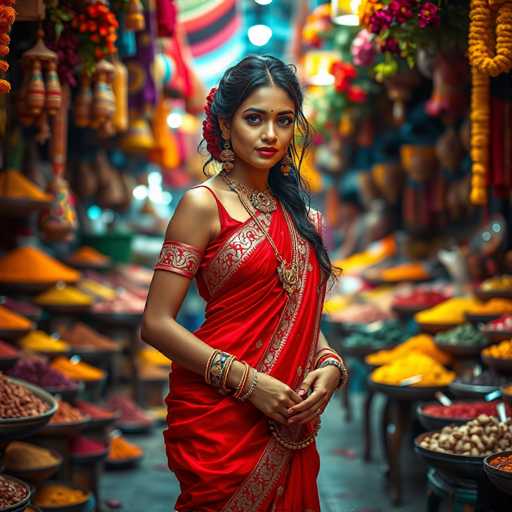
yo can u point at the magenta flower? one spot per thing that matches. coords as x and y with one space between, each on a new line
390 45
381 20
401 10
363 49
428 15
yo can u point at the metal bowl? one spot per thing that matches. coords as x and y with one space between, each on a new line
501 479
406 392
20 506
430 422
462 390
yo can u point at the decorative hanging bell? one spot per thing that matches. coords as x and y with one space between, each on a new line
135 16
53 90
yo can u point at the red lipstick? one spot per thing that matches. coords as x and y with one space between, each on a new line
266 152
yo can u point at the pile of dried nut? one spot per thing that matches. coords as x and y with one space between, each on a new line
11 492
479 437
17 401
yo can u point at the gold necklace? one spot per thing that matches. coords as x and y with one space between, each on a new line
288 274
262 200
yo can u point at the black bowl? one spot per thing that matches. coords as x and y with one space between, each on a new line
500 365
68 394
476 319
501 479
37 475
69 429
453 466
497 336
430 328
460 350
476 391
486 295
128 463
406 392
77 507
17 428
13 334
20 506
435 422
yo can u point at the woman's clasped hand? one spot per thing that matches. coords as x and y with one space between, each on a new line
282 404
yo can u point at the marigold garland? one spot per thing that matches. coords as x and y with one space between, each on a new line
489 55
7 17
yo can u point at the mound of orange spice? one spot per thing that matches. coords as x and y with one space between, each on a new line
121 449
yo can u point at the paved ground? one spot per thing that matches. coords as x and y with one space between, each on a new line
346 483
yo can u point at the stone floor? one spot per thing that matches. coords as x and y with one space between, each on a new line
346 483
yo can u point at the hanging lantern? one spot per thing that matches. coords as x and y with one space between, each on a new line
103 105
344 12
135 16
138 138
317 65
53 90
83 102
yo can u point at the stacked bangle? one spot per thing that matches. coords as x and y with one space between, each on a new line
251 388
217 369
328 357
243 381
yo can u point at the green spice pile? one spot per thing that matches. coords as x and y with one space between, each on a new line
463 336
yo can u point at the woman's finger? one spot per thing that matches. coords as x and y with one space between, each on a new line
280 418
311 402
304 417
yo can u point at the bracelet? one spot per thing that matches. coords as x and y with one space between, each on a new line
243 381
341 367
217 367
227 368
324 357
329 353
207 366
251 388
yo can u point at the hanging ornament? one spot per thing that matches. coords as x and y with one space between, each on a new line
135 16
53 90
83 102
103 105
35 93
120 90
7 17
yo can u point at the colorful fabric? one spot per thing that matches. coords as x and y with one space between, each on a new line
222 451
179 258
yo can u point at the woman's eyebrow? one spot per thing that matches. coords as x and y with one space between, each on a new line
261 111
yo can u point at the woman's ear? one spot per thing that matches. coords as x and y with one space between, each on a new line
225 128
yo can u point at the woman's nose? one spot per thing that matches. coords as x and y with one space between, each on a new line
269 133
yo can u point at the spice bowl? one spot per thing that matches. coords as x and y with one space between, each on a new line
501 479
406 392
68 429
22 504
120 464
497 336
81 506
435 328
500 365
430 422
464 390
69 394
459 350
13 334
453 466
37 475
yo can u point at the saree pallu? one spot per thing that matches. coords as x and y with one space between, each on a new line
222 450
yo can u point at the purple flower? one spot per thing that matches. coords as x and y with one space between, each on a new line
390 45
428 15
401 10
381 20
363 49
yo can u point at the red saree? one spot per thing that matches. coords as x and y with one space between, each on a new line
221 450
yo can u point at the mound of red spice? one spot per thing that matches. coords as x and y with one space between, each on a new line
463 410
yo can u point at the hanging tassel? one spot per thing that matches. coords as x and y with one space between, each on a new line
35 96
103 106
53 90
120 90
135 16
83 103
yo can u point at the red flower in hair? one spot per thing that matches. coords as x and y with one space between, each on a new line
209 133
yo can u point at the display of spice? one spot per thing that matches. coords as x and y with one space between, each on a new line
18 401
463 410
64 295
402 272
31 265
421 343
360 314
152 356
410 365
15 186
497 283
81 336
477 438
93 411
36 371
12 321
86 255
125 302
390 333
21 307
120 449
136 274
97 290
77 370
53 494
500 324
129 412
82 446
11 492
464 335
7 351
491 307
502 350
21 456
485 378
39 341
419 298
66 413
451 311
153 372
503 462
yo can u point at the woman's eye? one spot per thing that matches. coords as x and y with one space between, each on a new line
286 121
252 118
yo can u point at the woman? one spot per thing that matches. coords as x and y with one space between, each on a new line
248 386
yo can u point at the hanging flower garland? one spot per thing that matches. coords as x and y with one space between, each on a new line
490 54
7 16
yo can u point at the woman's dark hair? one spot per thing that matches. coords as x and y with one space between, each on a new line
238 83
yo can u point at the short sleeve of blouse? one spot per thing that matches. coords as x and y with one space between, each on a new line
180 258
317 219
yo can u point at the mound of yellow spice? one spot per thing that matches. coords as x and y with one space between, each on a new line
451 311
502 350
39 341
77 370
411 365
63 295
422 344
54 495
491 307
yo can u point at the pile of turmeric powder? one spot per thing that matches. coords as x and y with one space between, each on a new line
14 185
77 370
10 321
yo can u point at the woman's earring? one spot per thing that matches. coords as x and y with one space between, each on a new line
227 157
286 165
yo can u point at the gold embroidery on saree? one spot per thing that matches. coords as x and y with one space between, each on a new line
257 486
233 253
301 254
